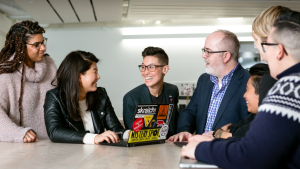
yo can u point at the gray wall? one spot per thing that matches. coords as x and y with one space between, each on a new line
5 25
119 58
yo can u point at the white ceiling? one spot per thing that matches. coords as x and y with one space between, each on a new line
131 11
73 11
195 9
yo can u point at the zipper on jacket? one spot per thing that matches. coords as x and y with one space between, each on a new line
72 124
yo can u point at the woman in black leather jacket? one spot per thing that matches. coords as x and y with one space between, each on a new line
77 111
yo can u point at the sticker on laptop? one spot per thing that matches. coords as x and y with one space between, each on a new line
169 113
137 124
160 123
152 123
162 112
163 131
146 109
144 135
147 119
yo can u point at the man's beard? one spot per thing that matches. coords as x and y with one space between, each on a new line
215 69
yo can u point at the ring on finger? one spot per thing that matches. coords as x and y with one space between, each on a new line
183 148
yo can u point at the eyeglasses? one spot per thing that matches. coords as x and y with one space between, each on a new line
38 45
150 68
271 44
207 53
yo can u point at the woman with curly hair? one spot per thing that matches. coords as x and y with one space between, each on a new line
26 73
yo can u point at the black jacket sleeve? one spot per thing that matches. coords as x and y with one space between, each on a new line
55 121
265 84
240 128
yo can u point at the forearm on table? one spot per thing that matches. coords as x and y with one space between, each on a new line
10 131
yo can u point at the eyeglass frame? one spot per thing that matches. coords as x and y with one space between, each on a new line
209 52
272 44
147 67
41 43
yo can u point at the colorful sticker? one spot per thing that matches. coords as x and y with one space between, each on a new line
169 113
144 135
160 123
147 119
152 122
137 124
163 131
163 111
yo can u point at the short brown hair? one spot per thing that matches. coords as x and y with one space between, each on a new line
158 53
263 23
288 34
230 43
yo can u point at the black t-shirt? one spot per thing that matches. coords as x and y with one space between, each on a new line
160 99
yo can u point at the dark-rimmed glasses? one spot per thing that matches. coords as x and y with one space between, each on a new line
207 53
271 44
150 68
39 44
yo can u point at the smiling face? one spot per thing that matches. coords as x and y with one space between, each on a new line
251 97
32 53
214 62
88 80
156 78
257 43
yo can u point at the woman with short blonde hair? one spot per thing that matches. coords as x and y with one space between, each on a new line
263 23
261 27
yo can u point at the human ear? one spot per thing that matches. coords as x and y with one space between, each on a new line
226 57
166 69
280 53
79 78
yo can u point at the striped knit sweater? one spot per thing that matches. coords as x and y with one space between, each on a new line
273 140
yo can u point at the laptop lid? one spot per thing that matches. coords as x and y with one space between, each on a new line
189 163
151 122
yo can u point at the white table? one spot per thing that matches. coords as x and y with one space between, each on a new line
45 154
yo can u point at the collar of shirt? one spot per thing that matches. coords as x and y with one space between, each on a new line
225 80
293 69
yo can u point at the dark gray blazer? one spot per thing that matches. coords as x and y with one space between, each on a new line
141 95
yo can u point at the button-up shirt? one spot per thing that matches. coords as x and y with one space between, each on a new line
216 98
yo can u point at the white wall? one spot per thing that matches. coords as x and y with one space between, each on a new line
119 58
5 25
2 40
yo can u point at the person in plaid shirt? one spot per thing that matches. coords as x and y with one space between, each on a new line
218 98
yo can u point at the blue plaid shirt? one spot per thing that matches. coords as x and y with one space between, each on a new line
216 98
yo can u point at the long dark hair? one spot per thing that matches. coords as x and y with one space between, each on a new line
15 43
68 81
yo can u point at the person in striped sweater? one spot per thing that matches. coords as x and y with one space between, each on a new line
273 140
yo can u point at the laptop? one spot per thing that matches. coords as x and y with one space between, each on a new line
150 125
190 163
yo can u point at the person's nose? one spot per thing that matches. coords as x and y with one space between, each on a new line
146 70
204 55
43 47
